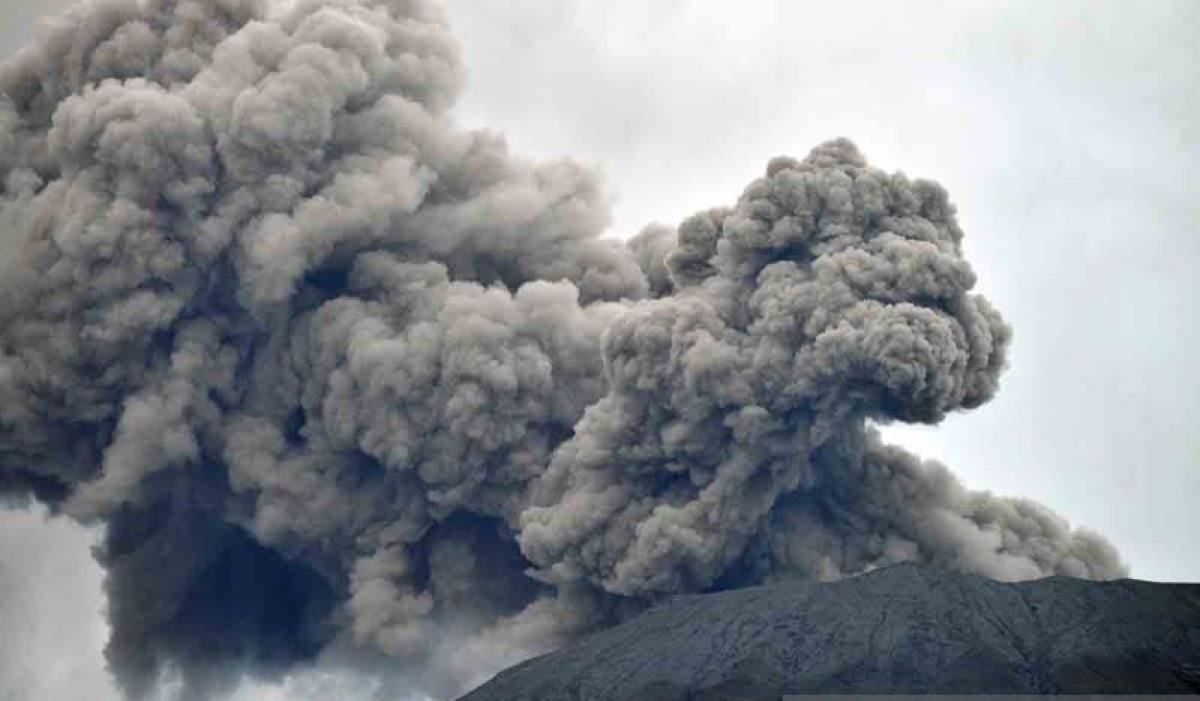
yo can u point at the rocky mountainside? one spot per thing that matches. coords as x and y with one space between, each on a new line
903 629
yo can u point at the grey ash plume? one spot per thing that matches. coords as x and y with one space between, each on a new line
335 373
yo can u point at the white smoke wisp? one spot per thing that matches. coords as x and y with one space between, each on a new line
336 374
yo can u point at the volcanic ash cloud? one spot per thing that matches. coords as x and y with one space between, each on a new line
337 375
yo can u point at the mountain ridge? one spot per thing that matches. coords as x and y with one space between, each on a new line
907 628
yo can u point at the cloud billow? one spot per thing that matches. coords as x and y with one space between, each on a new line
338 374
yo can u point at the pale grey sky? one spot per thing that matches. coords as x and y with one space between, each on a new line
1066 133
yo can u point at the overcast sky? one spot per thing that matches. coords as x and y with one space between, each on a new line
1066 132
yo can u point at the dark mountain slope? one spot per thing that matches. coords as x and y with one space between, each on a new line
903 629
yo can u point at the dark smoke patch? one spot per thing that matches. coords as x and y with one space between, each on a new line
339 375
235 607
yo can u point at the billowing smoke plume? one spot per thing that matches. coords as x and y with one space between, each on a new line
337 374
